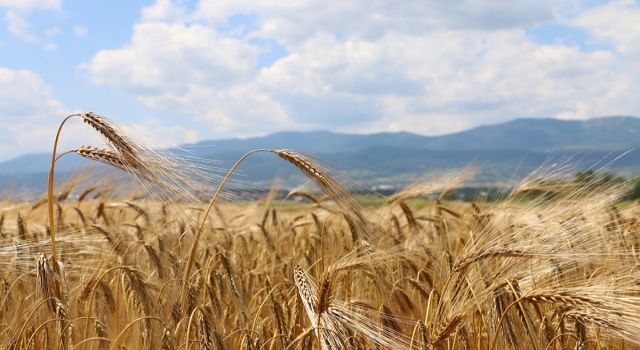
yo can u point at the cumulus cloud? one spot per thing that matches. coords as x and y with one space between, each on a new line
23 95
28 112
163 135
30 5
163 10
616 23
18 26
293 21
190 69
30 115
425 66
15 17
172 58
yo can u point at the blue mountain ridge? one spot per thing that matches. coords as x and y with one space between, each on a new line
501 150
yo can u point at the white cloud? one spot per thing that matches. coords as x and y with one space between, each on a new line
163 135
292 22
190 69
53 31
431 67
30 5
173 59
15 19
616 22
18 26
24 93
80 31
30 115
163 10
469 77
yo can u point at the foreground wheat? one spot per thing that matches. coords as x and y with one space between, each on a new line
538 273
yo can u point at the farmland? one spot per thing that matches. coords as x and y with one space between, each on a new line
550 265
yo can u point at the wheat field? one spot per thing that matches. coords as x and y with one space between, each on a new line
90 266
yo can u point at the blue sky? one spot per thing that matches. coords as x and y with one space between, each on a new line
183 71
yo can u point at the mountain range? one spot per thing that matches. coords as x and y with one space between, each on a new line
503 152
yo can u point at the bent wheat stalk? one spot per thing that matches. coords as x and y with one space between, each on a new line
50 181
196 239
326 183
119 142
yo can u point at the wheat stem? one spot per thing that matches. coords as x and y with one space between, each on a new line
205 216
50 184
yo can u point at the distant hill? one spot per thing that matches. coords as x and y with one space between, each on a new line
504 151
610 133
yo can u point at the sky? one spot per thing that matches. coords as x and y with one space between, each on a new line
184 71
